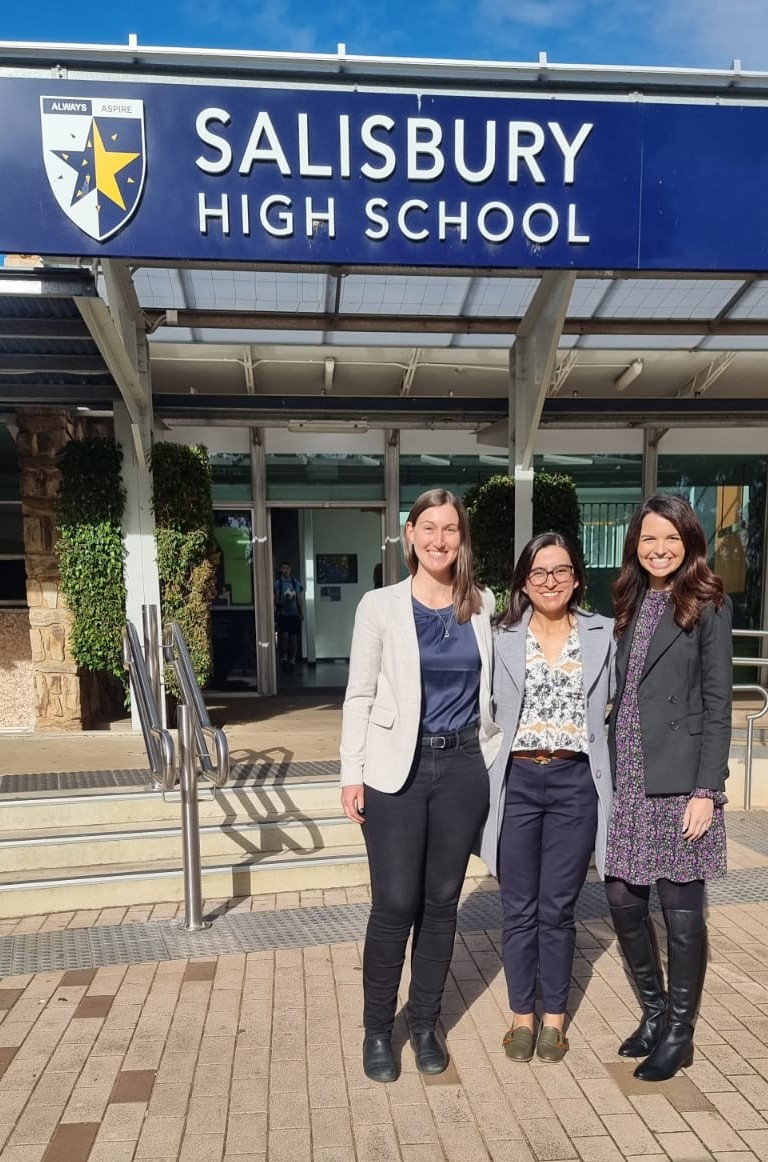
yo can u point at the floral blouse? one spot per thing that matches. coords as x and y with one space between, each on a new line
553 714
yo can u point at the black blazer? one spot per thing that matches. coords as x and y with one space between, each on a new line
684 698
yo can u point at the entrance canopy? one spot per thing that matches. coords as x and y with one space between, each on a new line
324 239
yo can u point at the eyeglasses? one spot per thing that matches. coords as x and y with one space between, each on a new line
561 574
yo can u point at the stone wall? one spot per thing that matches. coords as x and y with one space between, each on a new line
42 432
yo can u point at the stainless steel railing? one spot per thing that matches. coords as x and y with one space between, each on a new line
751 717
203 748
157 740
206 738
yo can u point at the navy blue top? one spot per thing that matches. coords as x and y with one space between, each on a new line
450 670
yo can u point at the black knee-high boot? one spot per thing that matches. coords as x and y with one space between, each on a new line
687 948
637 939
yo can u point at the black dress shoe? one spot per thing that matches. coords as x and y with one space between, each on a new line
378 1059
431 1054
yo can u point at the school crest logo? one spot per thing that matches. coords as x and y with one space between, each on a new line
95 158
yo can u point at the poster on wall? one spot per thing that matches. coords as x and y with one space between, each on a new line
336 568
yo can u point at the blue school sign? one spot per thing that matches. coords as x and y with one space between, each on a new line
364 176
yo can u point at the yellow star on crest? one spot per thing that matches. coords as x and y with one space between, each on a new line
108 164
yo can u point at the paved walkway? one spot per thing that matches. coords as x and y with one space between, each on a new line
243 1042
123 1038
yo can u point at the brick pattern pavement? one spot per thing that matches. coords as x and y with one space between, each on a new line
256 1056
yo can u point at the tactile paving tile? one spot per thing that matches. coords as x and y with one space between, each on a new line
749 828
72 781
289 928
259 772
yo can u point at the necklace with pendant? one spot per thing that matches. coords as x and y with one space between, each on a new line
446 622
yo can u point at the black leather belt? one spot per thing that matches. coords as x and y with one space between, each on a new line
449 741
544 757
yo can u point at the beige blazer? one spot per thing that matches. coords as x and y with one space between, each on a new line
382 708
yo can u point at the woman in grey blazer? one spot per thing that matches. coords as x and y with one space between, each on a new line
416 736
550 784
670 732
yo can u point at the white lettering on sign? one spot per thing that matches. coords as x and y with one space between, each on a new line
428 149
495 222
528 157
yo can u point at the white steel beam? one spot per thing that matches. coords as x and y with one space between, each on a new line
532 364
703 380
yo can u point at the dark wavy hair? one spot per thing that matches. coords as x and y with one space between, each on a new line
518 600
694 585
466 592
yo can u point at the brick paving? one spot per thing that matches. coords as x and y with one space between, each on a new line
247 1056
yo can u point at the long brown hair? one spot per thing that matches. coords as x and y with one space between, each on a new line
694 585
466 594
518 600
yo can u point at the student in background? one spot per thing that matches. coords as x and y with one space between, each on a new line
289 607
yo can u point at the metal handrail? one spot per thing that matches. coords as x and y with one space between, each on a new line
157 740
216 767
751 719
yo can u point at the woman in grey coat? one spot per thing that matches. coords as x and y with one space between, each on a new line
550 784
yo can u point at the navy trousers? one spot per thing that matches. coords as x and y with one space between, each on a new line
547 838
419 842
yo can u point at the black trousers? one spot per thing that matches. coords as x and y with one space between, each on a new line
547 837
419 842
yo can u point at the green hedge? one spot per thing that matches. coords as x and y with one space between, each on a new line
491 510
184 534
90 552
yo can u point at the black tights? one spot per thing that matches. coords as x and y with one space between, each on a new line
684 897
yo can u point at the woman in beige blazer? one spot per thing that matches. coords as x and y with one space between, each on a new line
417 736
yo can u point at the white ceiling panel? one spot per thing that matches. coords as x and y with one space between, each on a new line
406 294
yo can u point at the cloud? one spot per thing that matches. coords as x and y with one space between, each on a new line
715 32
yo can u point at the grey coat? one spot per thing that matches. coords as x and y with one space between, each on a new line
597 656
684 699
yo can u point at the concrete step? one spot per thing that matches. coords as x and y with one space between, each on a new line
134 806
229 837
155 881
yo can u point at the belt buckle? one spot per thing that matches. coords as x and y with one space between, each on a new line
438 742
542 760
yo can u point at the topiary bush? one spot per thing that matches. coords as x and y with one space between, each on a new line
491 510
185 547
90 552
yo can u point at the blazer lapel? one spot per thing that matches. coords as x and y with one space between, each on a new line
667 631
593 638
510 650
623 646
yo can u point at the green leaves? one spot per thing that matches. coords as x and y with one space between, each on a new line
90 552
185 545
491 510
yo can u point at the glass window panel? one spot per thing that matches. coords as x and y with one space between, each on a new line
232 531
13 583
230 476
728 495
456 473
325 476
11 531
9 467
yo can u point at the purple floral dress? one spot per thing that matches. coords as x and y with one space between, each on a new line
645 836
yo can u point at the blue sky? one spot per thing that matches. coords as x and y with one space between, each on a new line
699 33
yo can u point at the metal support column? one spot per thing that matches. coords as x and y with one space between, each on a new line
651 439
142 582
532 366
266 668
190 822
391 564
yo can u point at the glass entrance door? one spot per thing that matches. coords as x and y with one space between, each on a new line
233 623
